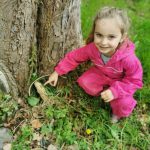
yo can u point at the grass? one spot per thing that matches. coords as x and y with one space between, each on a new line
70 112
65 122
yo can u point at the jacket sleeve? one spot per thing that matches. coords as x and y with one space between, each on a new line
73 59
132 79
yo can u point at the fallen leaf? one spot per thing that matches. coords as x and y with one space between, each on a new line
36 124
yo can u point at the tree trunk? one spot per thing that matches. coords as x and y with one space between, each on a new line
18 34
59 31
32 32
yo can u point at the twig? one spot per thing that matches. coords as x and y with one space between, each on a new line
62 146
35 81
14 130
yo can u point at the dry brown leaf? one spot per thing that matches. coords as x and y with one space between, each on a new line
36 123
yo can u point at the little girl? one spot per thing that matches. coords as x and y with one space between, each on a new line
116 72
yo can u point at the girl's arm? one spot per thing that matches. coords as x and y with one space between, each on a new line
70 62
131 81
74 58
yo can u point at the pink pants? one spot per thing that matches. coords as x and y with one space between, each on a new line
93 82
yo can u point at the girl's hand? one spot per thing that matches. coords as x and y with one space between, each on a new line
53 78
107 95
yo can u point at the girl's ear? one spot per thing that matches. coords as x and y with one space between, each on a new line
124 36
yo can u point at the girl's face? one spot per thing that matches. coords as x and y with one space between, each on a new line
107 36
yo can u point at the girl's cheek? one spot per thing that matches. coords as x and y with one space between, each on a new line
97 40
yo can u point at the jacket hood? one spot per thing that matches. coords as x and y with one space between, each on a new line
125 49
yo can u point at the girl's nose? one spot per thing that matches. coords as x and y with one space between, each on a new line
104 41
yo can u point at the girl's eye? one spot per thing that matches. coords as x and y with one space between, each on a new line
98 35
111 37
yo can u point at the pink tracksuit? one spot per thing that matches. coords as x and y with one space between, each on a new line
122 74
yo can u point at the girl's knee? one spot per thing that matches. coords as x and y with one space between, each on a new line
88 87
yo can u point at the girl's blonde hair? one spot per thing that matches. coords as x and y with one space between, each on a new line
111 12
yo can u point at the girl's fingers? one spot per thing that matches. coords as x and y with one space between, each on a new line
46 83
108 100
104 96
52 83
55 83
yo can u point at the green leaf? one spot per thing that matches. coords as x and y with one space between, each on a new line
46 129
33 101
60 113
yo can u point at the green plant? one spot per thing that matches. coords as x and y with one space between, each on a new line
8 106
24 139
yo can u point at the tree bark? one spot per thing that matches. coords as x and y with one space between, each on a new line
34 31
18 34
59 31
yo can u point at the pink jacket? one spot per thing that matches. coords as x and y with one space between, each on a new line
123 71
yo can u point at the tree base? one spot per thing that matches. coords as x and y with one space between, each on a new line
7 82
